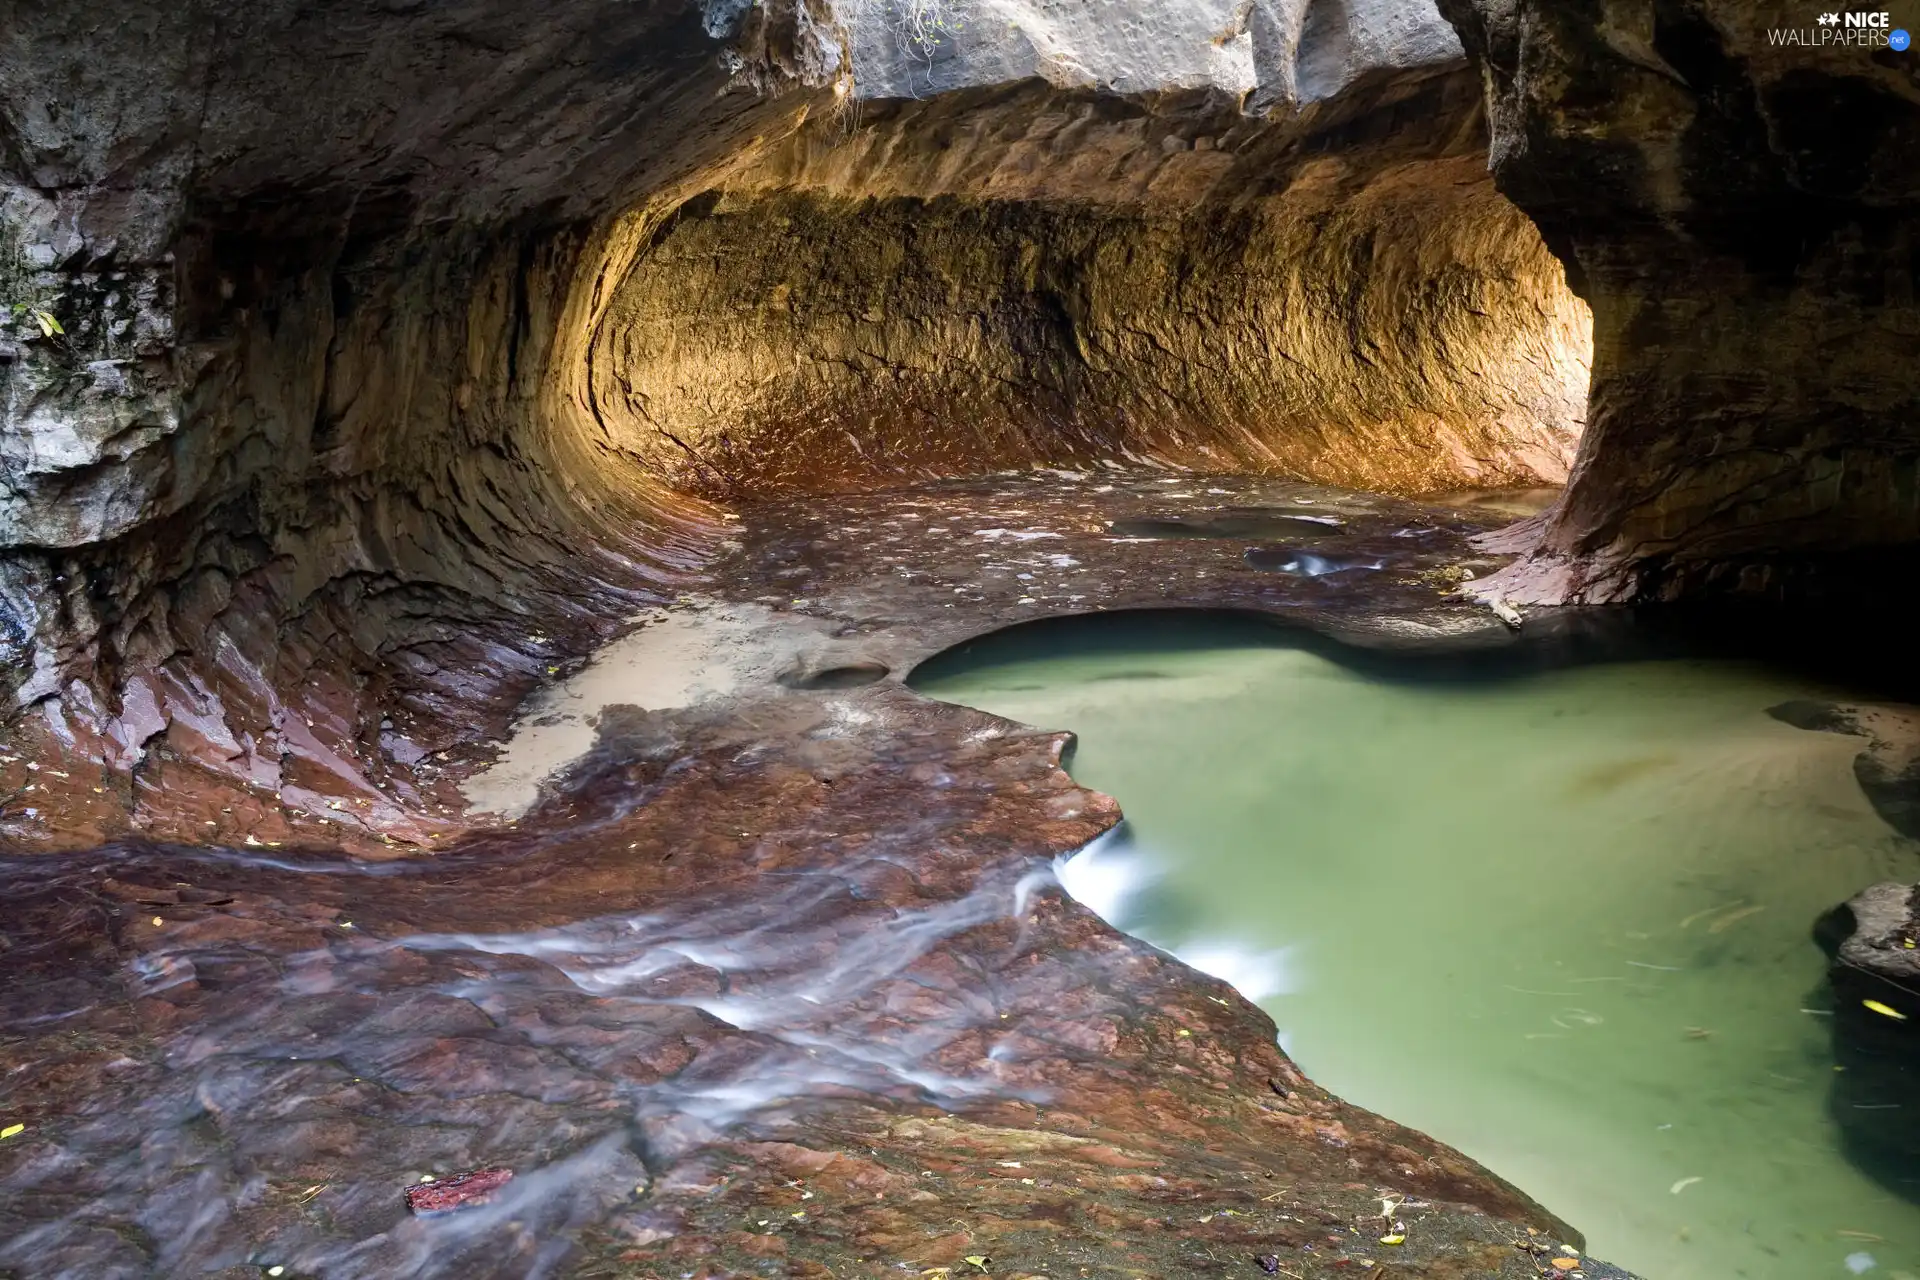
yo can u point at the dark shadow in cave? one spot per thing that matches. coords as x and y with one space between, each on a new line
1807 643
1876 1063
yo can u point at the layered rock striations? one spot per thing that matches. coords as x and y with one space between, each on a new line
366 363
1741 209
400 349
297 492
1038 277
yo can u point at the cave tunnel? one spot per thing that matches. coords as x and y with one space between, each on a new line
469 445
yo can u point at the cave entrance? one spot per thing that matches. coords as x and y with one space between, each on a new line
820 320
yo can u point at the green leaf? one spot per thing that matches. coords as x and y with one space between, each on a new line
48 325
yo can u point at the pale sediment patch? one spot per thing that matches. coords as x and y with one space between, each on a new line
695 651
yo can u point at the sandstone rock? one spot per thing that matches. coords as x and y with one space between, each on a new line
334 416
461 1191
1279 52
1876 953
1048 279
1888 770
313 272
1873 940
1740 213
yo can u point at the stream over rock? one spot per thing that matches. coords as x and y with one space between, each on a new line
481 472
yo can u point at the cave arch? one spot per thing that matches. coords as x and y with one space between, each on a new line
349 446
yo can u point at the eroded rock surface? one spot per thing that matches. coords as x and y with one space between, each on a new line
1741 213
778 983
401 347
780 1044
1038 278
359 422
295 498
1278 52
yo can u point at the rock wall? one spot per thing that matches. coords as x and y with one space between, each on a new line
1040 278
298 496
1743 215
1285 53
362 367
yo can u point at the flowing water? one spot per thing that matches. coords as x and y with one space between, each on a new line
1560 920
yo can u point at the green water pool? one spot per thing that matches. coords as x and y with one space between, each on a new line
1560 920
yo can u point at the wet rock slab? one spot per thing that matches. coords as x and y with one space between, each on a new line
901 576
778 983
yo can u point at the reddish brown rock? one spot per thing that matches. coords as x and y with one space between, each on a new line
1739 210
462 1191
783 976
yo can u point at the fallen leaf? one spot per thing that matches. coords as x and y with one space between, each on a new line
12 1129
1565 1264
1886 1010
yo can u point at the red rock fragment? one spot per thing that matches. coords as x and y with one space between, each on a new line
462 1191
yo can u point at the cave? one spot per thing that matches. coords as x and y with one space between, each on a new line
477 484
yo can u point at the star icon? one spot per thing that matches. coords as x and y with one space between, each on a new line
1829 19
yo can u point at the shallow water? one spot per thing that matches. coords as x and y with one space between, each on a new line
1560 920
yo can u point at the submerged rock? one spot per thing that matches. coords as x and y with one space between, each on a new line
1874 942
1888 770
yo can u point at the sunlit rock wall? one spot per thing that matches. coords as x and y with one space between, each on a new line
326 463
1048 278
